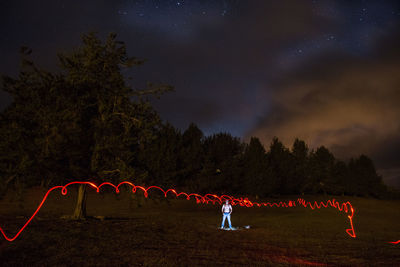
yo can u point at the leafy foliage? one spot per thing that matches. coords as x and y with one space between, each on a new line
83 122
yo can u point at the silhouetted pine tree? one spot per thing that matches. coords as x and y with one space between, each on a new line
363 178
279 162
320 170
222 154
257 178
300 168
191 154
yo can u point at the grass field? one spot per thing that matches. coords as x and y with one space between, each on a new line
156 232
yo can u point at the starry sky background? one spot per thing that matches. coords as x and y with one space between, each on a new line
327 72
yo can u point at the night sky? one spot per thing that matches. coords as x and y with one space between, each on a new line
327 72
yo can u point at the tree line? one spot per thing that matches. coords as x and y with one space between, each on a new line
222 163
87 122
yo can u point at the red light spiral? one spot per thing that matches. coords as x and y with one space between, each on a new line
207 198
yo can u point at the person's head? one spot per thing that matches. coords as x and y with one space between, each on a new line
226 202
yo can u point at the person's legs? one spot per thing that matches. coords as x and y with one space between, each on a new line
229 221
223 220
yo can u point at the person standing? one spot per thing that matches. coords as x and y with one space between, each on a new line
226 214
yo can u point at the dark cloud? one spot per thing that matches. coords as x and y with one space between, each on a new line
348 104
225 63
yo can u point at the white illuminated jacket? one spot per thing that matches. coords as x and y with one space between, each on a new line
227 208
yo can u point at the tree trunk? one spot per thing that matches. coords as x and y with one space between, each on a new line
44 183
80 208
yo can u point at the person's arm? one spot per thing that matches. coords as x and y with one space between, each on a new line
222 208
230 209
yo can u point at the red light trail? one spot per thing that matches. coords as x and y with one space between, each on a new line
207 198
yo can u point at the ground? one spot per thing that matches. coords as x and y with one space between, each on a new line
153 232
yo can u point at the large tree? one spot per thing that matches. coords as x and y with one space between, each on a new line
257 178
84 122
363 179
280 164
160 157
222 154
321 171
300 164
